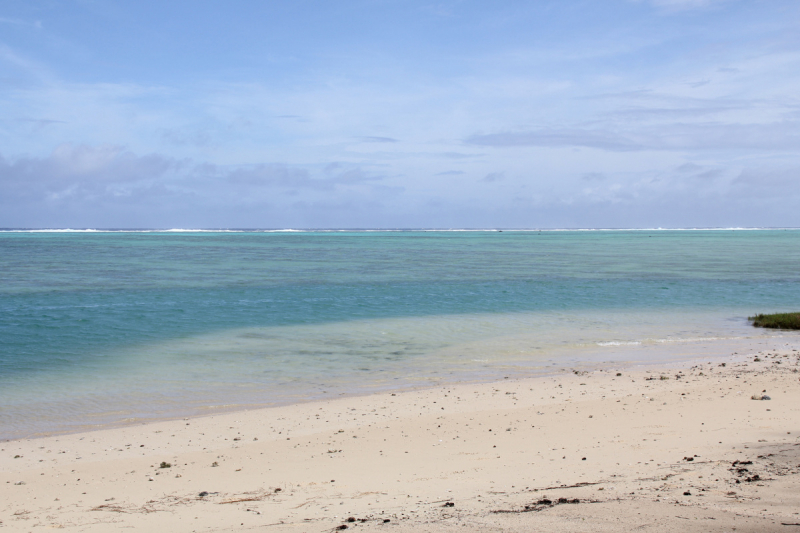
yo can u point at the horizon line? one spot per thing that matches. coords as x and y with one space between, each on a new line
374 230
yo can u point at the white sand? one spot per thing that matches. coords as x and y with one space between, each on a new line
397 462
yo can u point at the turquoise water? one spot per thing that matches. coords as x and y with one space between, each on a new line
99 327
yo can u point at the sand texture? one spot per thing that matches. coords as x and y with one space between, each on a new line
671 448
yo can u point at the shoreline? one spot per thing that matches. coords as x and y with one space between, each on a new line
405 456
636 355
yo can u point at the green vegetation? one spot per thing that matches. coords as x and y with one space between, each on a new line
777 321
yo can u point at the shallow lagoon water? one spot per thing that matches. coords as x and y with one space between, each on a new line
98 328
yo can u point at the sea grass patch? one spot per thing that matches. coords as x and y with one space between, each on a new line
776 321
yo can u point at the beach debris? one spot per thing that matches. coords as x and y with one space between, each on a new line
17 457
687 493
688 459
215 463
203 494
19 483
165 464
544 503
760 397
738 467
449 504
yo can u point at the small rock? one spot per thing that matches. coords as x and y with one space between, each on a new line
203 494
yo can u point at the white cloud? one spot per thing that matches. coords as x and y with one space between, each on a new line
80 174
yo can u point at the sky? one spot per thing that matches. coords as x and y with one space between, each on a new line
399 114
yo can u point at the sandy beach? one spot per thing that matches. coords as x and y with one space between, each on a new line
661 448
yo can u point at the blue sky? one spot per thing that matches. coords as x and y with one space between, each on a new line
381 113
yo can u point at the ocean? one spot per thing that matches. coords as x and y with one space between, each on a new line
110 327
